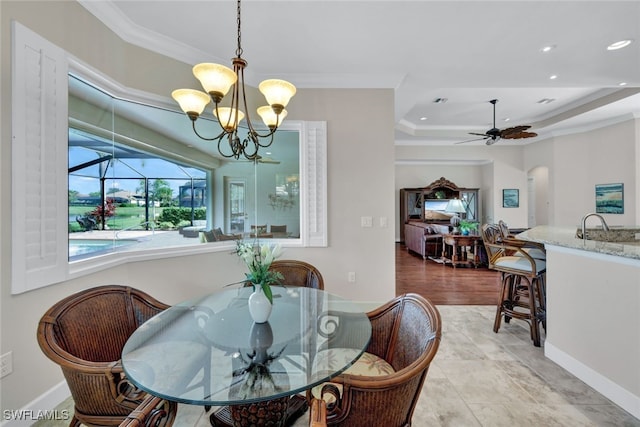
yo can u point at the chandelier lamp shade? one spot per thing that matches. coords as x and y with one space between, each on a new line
217 81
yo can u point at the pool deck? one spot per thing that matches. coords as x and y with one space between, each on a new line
146 239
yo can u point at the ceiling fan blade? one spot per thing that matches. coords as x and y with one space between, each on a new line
479 134
472 140
519 135
515 129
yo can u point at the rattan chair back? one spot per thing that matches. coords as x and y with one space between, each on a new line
84 334
298 273
406 333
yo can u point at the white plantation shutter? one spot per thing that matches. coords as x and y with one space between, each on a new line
314 170
39 161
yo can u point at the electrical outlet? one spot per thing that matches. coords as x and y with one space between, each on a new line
6 364
351 277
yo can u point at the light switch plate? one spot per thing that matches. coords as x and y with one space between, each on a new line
366 221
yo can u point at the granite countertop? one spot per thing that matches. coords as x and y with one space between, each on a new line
565 236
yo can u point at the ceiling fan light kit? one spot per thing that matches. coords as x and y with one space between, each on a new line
494 134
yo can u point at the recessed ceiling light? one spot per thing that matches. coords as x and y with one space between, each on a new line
619 44
507 119
548 48
423 118
622 84
553 77
546 100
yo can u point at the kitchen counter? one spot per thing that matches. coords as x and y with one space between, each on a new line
566 237
593 308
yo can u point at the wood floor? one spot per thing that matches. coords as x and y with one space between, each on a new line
443 284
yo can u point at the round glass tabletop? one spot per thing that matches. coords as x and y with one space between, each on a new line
208 350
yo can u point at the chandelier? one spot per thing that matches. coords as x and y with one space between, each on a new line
217 80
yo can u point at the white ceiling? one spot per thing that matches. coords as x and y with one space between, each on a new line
466 51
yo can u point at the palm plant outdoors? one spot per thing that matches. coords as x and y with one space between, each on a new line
258 259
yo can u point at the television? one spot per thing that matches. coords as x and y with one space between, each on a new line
435 205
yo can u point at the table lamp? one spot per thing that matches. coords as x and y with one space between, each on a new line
456 207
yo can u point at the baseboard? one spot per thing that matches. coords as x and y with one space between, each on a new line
603 385
42 407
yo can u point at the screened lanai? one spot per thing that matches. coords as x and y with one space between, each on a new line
103 171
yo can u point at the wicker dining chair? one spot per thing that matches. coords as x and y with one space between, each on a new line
84 333
152 412
406 333
298 273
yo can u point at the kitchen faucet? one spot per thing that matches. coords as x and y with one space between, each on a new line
605 227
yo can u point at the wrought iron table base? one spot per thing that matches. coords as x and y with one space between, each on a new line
277 412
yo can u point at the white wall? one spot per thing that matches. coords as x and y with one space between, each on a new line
572 164
593 311
579 161
540 209
358 185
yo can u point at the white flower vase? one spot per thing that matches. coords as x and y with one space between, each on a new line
259 305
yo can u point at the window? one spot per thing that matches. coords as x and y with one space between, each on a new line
115 142
121 196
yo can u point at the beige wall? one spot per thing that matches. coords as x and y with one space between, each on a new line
360 183
566 169
578 162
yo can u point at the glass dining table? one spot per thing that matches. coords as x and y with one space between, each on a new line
208 351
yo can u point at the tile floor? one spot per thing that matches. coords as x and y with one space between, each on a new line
479 378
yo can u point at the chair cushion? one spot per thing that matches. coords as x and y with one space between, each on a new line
536 253
367 364
520 263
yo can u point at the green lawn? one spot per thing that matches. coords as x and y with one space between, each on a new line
126 217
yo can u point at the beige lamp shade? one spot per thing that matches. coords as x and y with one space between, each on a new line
277 92
269 117
227 117
456 206
191 101
215 78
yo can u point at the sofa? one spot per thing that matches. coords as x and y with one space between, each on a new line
424 238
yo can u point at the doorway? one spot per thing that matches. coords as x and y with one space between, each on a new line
235 213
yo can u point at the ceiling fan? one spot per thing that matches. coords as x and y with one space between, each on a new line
494 134
264 160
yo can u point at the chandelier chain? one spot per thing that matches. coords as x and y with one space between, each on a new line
239 49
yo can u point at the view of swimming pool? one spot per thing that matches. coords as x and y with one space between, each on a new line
78 248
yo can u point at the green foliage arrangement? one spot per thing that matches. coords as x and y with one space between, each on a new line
468 225
177 215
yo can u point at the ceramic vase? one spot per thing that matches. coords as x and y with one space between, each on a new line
259 305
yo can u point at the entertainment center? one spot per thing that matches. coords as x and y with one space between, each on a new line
428 204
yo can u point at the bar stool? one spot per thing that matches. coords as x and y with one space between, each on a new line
536 250
522 293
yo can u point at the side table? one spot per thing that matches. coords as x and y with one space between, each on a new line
459 253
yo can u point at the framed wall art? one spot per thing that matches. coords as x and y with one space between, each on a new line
610 198
510 198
